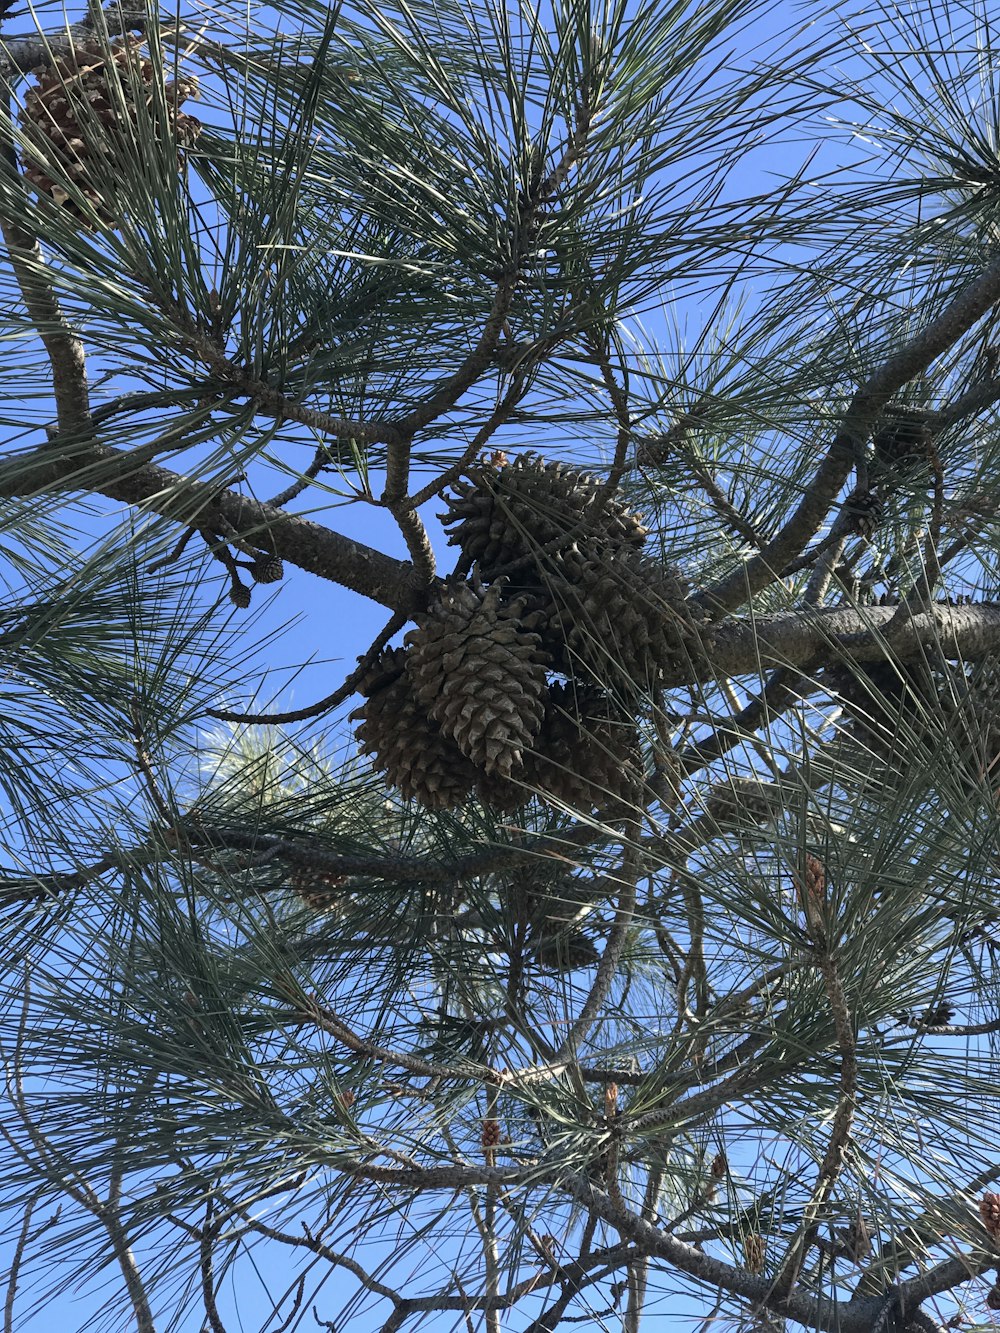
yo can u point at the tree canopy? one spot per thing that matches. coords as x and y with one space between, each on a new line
614 940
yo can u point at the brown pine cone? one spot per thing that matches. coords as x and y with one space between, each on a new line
480 675
405 743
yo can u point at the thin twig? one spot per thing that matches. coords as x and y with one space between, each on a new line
607 968
15 1265
320 460
395 623
840 1131
207 1235
163 807
472 450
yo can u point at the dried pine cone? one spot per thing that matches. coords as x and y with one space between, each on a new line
586 756
624 619
989 1211
490 1135
565 951
811 887
316 888
504 513
479 675
81 122
406 745
754 1251
267 569
866 511
547 896
903 440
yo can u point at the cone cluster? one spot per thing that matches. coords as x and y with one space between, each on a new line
526 678
82 114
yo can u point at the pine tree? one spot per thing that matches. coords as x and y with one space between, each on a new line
614 941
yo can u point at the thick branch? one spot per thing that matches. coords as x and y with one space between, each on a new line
741 646
299 541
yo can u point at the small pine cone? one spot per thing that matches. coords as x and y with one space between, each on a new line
625 619
587 755
866 512
316 888
720 1165
491 1135
811 887
480 676
754 1252
545 894
858 1240
239 595
506 513
80 119
565 951
742 800
989 1211
267 569
903 440
993 1297
406 745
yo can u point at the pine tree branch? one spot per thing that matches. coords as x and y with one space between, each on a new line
763 569
843 1119
796 638
64 349
103 470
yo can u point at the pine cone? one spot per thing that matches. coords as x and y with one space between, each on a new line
564 951
754 1252
316 888
267 569
587 753
80 122
866 511
546 896
505 513
480 675
989 1211
810 885
624 619
406 745
903 440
